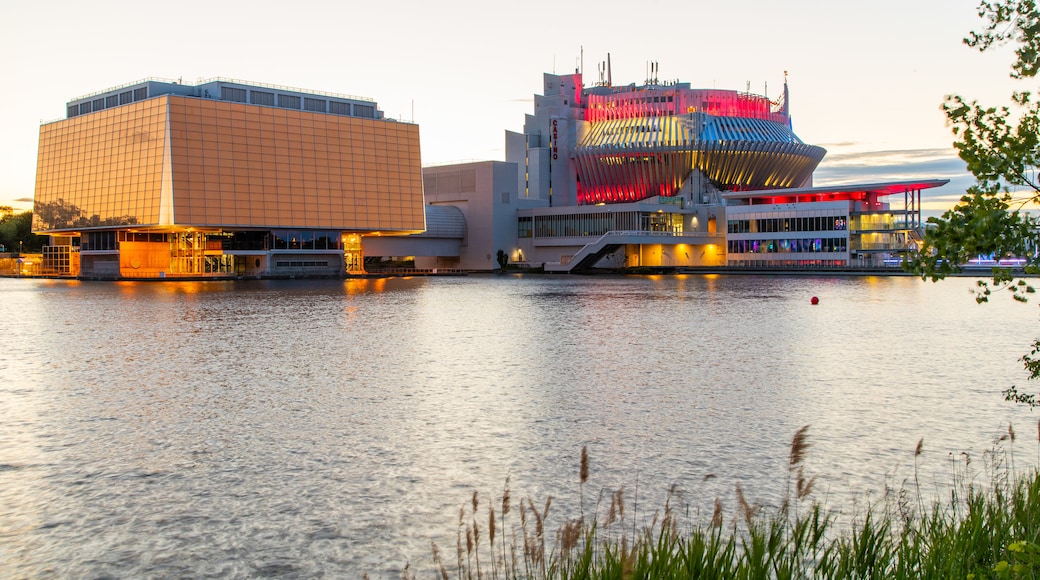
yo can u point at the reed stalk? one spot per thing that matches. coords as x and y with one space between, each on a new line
990 531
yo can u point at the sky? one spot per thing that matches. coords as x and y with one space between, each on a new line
867 79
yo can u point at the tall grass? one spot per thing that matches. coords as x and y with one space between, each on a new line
979 531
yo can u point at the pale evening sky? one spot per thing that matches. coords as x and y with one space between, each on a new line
867 79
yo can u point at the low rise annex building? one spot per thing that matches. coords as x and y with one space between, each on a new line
224 178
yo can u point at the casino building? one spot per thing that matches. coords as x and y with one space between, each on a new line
160 179
663 175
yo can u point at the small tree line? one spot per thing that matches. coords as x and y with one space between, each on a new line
16 232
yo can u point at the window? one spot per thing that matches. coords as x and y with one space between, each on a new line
366 111
111 101
261 98
337 108
316 105
232 94
141 94
98 241
524 227
301 264
73 110
126 97
98 104
288 102
84 108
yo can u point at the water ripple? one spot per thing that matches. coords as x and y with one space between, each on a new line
312 428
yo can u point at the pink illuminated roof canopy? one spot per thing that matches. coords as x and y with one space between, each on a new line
858 191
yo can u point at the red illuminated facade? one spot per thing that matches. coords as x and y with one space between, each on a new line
610 144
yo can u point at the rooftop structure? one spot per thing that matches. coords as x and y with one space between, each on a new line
230 90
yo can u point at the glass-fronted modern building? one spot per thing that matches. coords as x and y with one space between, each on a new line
223 178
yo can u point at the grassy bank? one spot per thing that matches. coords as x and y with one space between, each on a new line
982 530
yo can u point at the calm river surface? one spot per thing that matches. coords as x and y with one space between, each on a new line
308 428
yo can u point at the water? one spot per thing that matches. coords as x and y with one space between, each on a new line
308 428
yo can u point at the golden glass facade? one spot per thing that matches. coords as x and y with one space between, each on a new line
101 170
173 162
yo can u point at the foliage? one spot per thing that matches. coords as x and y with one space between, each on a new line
979 531
16 233
1001 147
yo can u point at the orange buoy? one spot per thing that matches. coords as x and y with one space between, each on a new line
815 300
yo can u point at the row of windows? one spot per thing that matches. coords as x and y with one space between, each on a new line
98 241
243 188
301 264
214 153
269 99
786 263
626 102
548 226
222 163
796 224
329 213
268 128
384 219
143 143
235 113
787 246
110 125
107 102
325 173
115 168
304 240
597 224
279 240
234 95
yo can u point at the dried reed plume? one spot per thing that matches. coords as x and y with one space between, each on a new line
476 544
617 507
505 510
491 526
920 447
716 515
799 445
584 464
534 547
505 499
491 537
545 514
458 540
746 509
803 487
476 502
584 475
439 562
569 535
1011 432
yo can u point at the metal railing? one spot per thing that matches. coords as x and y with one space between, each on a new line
127 85
202 81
